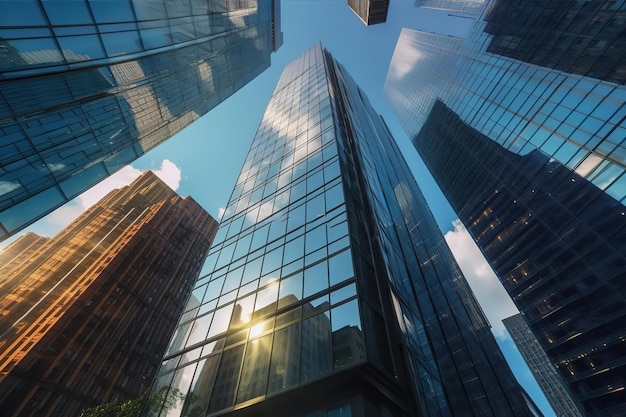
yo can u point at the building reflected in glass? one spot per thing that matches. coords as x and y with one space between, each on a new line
329 289
470 7
532 159
87 86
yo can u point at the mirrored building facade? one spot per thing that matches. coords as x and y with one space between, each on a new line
543 370
530 150
86 314
329 289
87 86
469 7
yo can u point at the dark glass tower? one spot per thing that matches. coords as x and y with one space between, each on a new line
532 160
86 314
330 289
543 370
87 86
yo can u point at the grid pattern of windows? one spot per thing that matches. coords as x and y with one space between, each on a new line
473 7
533 161
87 317
90 85
544 372
329 271
277 308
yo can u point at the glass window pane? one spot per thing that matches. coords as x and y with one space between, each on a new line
214 289
221 321
67 12
156 37
199 329
294 250
112 11
290 290
21 13
197 401
315 279
348 344
341 267
121 43
226 379
272 260
149 9
315 239
253 379
266 300
316 348
284 369
39 51
343 294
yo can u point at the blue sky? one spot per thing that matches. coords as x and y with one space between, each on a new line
204 160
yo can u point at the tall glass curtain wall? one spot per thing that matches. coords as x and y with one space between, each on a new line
87 86
328 258
278 306
532 159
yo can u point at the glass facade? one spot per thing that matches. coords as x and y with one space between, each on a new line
544 372
329 289
532 159
87 86
471 7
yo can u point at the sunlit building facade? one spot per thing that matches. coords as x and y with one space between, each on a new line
85 316
543 370
530 150
329 289
87 86
467 7
370 12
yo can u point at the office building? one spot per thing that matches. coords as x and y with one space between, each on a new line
87 314
543 370
467 7
88 86
329 288
370 12
532 160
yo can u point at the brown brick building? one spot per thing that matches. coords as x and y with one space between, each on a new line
86 316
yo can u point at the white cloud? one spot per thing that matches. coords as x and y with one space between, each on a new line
8 186
168 172
490 293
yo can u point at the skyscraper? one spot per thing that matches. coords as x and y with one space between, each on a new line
532 160
543 370
329 288
470 7
86 315
370 12
90 85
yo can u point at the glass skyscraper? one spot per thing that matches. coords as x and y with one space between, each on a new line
329 289
530 150
470 7
87 86
543 370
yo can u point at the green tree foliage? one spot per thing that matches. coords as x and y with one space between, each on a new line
151 403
